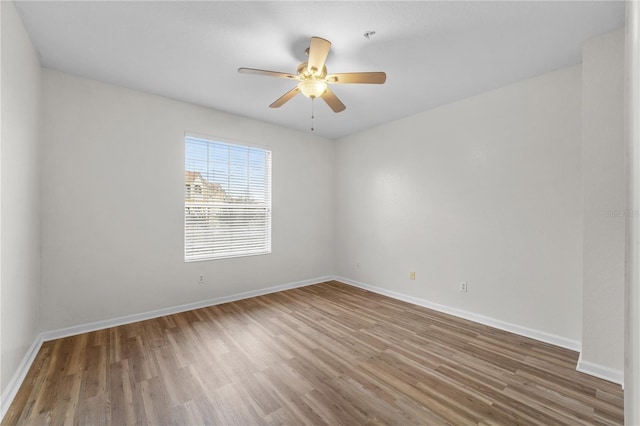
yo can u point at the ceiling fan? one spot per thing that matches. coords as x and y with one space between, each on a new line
313 79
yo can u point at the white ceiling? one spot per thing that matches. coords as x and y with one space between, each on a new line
433 52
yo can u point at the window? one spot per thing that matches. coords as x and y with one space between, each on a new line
227 200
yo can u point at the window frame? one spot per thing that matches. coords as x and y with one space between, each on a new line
267 205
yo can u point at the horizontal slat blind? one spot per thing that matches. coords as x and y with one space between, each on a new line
227 200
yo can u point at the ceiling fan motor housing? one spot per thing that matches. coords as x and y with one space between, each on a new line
312 84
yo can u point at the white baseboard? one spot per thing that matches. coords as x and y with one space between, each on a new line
16 381
542 336
11 390
14 384
597 370
128 319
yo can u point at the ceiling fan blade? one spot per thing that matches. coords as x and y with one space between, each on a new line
267 73
318 51
332 100
357 78
284 98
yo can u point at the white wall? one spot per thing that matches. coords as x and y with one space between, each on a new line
632 288
20 193
485 190
112 206
604 202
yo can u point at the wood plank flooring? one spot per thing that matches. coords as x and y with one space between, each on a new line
327 354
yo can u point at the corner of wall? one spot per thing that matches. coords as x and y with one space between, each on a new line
603 205
600 371
21 140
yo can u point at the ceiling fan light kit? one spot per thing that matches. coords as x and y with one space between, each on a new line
313 81
312 88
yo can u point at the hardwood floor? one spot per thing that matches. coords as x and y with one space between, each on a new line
324 354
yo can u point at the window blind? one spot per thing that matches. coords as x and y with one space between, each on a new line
227 201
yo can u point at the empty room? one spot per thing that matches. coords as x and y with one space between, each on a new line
256 212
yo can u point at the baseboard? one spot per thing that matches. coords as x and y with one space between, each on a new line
14 384
128 319
602 372
16 381
596 370
542 336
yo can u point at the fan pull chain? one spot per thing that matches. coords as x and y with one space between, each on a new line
312 117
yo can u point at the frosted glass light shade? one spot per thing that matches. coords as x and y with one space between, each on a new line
312 88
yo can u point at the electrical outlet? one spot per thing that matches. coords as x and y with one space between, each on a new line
463 287
201 279
412 275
